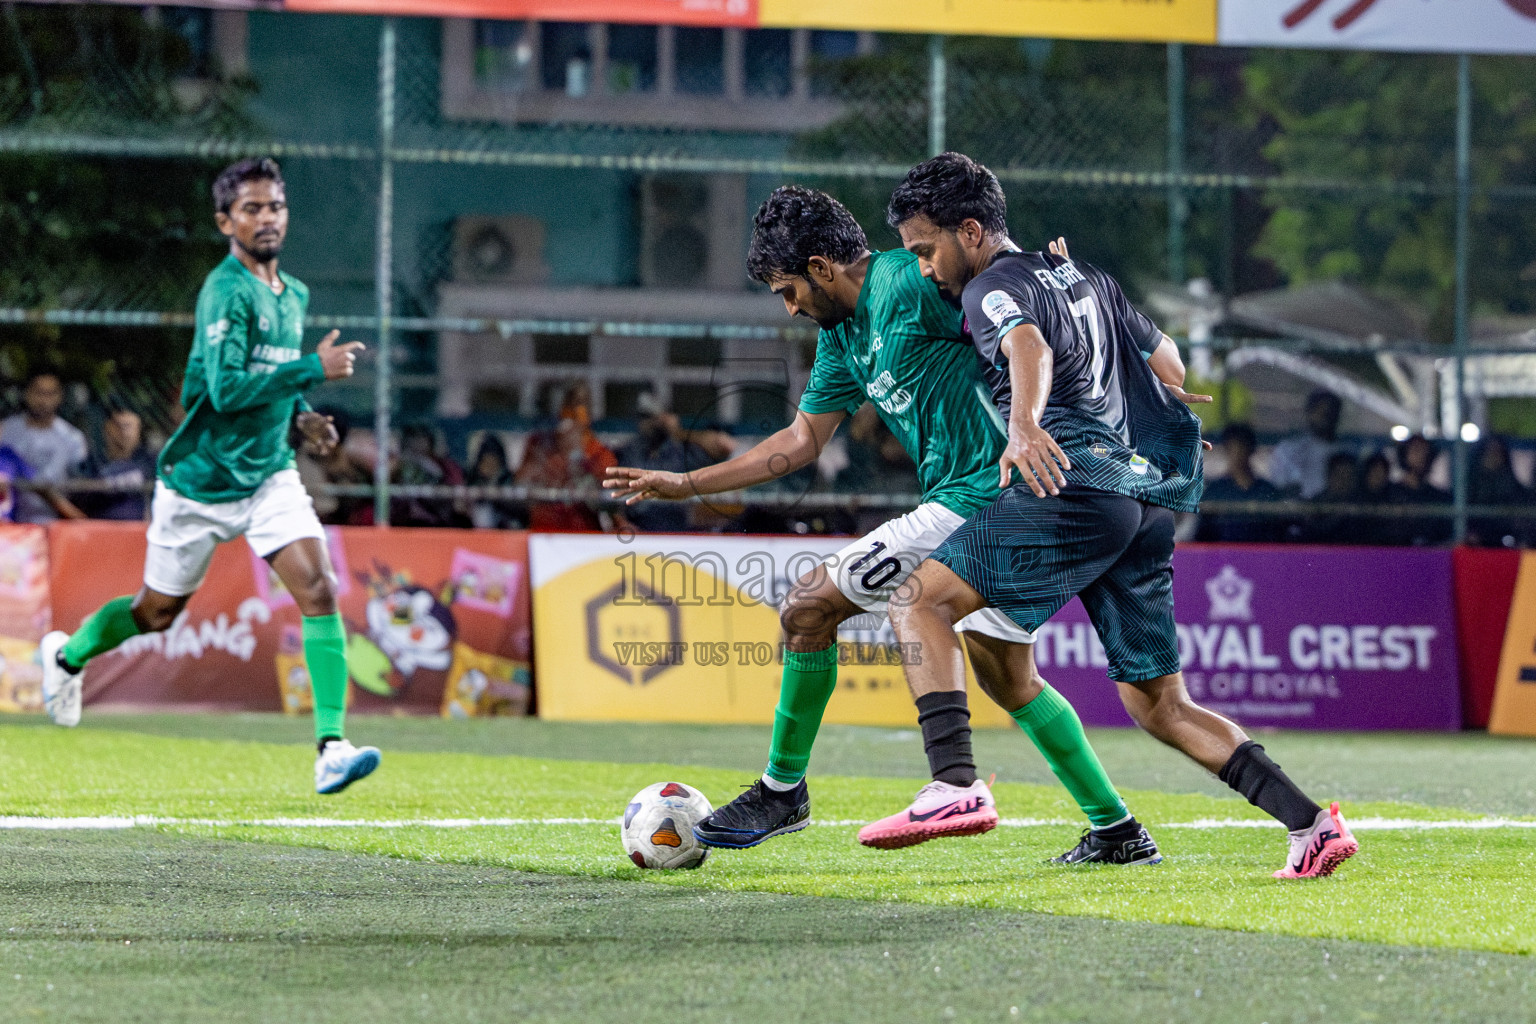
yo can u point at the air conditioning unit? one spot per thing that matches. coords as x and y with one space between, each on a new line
674 231
499 250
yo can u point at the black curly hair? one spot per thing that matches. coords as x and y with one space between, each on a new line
796 223
948 189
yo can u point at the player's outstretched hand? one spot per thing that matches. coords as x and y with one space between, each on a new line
1059 247
1186 397
1189 399
337 359
319 433
1037 457
634 485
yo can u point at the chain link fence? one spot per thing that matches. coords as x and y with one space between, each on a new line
1256 175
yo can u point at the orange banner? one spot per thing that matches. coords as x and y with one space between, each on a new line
437 623
1514 698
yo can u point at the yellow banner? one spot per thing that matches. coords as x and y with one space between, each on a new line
1172 21
1514 699
684 629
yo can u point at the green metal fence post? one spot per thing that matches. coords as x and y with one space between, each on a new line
1178 207
938 86
384 271
1462 332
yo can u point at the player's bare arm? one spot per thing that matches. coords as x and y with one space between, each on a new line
794 447
1031 450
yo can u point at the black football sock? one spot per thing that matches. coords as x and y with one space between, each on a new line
945 719
1250 771
320 746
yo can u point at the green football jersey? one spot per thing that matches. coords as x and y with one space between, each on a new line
902 350
245 378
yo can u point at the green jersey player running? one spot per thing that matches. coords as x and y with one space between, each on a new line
229 469
887 337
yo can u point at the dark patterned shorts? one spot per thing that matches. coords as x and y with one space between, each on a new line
1028 556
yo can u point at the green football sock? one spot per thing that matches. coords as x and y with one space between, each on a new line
107 627
1052 723
325 654
809 680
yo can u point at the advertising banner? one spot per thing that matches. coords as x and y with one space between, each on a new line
686 629
24 614
1428 26
1187 21
668 628
437 623
1299 637
1514 698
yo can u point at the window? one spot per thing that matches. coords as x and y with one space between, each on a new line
621 400
565 60
693 351
561 348
696 404
700 61
769 62
708 79
631 59
503 55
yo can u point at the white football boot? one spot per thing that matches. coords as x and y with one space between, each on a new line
61 689
340 764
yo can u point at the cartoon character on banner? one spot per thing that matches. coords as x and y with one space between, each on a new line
409 628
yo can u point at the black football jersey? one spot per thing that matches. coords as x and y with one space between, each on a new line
1123 431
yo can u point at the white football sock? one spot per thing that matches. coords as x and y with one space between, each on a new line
776 785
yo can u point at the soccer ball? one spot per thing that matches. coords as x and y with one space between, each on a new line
658 826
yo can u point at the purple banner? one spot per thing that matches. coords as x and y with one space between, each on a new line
1292 637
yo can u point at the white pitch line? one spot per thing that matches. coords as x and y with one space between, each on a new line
110 822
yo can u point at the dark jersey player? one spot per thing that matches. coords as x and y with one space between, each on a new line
1107 453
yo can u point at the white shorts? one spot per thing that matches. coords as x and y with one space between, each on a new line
869 571
183 532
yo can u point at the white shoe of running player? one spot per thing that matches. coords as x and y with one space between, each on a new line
61 689
340 764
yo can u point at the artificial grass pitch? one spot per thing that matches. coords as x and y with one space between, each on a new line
1459 888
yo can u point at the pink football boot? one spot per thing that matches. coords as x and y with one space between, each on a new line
940 809
1317 851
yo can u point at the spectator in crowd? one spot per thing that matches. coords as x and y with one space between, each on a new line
1240 483
12 468
489 468
1300 462
125 463
1416 458
1342 488
663 443
1376 489
1492 482
569 457
51 448
422 463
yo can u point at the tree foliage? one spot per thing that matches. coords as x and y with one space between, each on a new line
105 233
